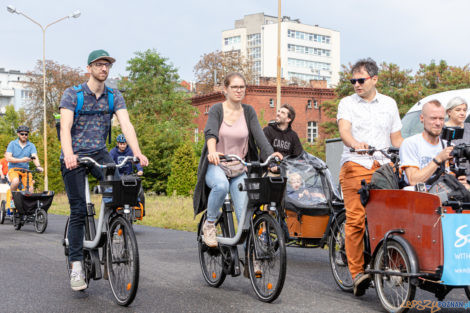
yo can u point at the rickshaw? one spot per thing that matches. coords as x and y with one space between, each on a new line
408 244
23 207
313 209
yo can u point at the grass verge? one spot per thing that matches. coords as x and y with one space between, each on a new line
171 212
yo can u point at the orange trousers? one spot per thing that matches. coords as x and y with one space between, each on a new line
350 177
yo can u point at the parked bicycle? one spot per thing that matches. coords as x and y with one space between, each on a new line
258 230
114 234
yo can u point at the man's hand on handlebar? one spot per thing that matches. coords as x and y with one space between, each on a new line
213 157
142 159
39 169
444 155
71 161
360 146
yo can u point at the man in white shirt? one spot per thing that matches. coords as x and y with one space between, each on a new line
366 118
422 154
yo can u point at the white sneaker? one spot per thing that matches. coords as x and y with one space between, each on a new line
77 281
210 234
257 268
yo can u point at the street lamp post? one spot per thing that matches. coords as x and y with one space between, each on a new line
75 14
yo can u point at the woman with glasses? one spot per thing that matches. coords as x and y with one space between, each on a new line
456 111
232 128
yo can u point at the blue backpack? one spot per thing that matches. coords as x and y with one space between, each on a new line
80 111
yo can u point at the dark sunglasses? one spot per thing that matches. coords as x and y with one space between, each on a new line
359 80
23 134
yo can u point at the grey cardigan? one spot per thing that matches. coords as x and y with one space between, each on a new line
257 140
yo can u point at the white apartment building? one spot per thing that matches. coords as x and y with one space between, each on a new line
13 89
307 52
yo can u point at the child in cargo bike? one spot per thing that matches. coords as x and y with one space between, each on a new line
297 190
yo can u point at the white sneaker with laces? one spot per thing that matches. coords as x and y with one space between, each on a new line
77 277
210 234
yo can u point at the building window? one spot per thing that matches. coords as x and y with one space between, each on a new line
254 40
315 67
308 77
308 50
206 111
271 103
254 53
308 36
309 104
315 104
196 134
312 131
232 40
26 94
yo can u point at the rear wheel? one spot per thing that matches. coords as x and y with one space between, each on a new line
3 211
267 265
211 259
122 257
393 291
40 222
467 292
337 252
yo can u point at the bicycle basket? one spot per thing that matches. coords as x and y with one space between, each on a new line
120 192
26 202
265 190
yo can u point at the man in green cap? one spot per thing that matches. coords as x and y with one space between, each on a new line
85 120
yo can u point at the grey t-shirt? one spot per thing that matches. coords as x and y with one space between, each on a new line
89 131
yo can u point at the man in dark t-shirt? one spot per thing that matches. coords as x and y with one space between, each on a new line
280 134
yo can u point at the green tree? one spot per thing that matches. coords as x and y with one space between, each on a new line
183 171
160 112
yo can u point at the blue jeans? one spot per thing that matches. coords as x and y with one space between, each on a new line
220 185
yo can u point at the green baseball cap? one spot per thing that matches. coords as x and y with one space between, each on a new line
98 55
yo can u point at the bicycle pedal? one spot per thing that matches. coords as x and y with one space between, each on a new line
236 271
258 275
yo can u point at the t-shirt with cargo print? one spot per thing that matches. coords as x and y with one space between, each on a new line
89 132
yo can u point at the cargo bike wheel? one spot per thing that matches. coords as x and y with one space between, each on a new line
393 291
211 259
3 211
337 253
266 251
40 222
122 257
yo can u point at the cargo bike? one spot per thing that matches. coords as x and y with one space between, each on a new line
408 244
23 206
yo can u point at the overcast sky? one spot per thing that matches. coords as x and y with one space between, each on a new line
405 32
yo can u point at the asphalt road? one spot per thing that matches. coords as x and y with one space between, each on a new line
33 278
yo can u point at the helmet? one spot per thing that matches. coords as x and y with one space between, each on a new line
22 128
121 138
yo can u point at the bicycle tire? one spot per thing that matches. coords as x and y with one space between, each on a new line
269 237
337 254
211 259
40 222
122 258
400 289
3 211
16 221
467 291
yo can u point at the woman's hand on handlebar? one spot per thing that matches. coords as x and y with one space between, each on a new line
213 157
71 161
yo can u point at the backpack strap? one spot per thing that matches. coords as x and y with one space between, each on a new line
110 110
80 99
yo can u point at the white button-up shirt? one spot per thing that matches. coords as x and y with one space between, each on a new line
372 123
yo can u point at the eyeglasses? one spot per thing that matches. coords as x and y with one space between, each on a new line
359 80
237 87
23 134
100 65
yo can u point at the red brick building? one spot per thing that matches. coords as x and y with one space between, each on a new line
307 102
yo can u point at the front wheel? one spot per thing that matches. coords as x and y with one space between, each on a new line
393 291
266 251
122 257
211 259
337 253
40 223
3 211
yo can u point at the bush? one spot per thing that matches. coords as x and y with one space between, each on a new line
183 171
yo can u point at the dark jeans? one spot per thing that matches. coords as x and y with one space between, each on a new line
74 181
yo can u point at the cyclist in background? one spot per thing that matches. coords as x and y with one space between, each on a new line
19 153
119 153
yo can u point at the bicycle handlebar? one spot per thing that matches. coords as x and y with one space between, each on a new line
234 157
88 160
387 152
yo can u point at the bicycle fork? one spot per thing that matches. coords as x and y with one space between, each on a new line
235 262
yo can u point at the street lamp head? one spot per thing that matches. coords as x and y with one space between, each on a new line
75 14
12 9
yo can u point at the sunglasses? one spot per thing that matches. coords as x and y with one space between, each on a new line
359 80
23 134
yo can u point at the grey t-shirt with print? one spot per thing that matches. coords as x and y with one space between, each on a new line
89 132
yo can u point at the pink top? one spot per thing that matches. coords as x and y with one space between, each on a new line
233 139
